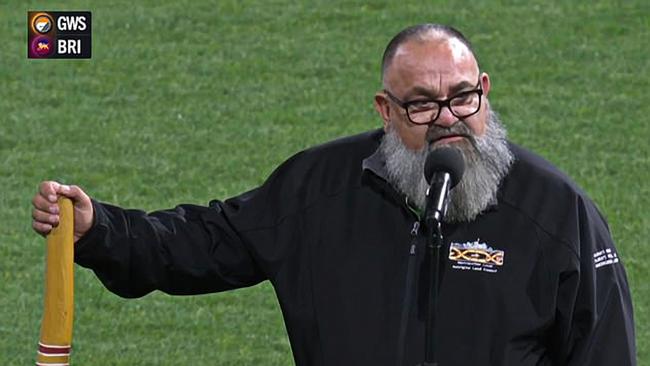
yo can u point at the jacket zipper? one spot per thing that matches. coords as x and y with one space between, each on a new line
406 304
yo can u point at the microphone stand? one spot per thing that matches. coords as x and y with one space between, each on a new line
434 213
433 245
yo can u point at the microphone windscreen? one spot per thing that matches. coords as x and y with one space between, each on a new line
445 159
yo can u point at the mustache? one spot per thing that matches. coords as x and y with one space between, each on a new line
460 128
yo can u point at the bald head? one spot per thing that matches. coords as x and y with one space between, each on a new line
433 33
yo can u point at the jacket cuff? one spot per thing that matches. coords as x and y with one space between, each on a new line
94 235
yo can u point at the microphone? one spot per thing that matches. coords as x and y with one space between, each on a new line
443 169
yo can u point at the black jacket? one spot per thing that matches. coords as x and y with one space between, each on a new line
535 280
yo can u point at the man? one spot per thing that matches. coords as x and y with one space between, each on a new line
530 274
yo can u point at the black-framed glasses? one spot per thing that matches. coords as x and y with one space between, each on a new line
425 112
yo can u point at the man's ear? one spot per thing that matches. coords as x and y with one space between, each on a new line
485 82
382 107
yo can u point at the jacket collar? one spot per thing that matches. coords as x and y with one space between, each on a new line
376 163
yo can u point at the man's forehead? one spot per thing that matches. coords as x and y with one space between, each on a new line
429 61
448 49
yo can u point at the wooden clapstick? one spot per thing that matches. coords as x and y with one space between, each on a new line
56 329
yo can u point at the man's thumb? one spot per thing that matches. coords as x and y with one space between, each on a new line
73 192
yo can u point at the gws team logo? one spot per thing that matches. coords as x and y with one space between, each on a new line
42 46
475 256
42 23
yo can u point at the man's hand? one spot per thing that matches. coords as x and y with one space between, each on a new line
46 210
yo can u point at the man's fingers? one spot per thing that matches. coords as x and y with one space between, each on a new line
41 228
45 217
41 203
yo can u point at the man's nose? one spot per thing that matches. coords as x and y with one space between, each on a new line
446 119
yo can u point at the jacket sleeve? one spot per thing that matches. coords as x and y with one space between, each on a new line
594 303
186 250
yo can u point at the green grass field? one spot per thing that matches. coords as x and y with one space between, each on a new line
186 101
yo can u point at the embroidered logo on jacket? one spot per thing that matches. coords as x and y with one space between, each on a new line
475 256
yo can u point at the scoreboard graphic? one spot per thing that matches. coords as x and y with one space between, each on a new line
59 34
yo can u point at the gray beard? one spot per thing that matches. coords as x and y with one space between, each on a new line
487 161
